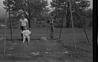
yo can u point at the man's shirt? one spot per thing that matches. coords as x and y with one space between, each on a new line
23 22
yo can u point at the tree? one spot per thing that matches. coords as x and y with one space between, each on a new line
63 6
31 8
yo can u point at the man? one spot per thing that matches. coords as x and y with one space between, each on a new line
23 24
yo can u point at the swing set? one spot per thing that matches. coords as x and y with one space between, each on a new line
51 28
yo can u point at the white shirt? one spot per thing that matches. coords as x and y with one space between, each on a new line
26 33
23 22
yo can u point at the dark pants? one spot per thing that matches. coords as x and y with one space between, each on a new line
22 28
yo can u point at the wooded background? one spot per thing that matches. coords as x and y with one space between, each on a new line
38 12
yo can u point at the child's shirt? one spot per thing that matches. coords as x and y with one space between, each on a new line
26 33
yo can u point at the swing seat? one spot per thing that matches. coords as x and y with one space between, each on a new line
2 25
44 38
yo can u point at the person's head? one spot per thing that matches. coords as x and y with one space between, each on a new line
25 28
22 16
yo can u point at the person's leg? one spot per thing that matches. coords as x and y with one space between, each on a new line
28 38
24 38
21 32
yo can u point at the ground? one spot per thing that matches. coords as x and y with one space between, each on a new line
68 49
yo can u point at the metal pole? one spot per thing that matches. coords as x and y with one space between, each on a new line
61 30
29 14
10 24
5 34
27 2
51 28
86 35
85 32
70 5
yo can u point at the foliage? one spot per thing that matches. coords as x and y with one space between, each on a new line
78 10
32 7
35 9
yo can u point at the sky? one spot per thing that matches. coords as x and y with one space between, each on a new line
91 3
2 11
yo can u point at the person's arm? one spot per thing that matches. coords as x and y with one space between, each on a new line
28 24
19 23
29 32
26 20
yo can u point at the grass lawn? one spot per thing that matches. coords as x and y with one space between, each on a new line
70 49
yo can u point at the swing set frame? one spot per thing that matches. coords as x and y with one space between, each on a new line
52 32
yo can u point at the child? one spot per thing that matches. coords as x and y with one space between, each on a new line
26 35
